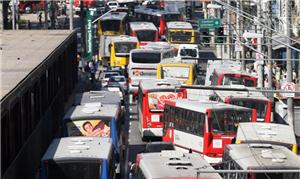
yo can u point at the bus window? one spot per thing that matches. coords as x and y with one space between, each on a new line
111 25
146 57
121 48
260 106
180 36
146 35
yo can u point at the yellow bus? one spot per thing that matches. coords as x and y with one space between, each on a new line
112 23
120 47
183 72
178 32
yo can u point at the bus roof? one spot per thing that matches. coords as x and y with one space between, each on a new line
203 105
158 46
154 12
173 62
136 26
159 84
263 156
241 95
114 16
179 25
78 148
173 164
266 133
104 97
124 38
226 67
92 111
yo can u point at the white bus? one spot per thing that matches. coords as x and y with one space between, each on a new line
257 157
171 164
79 158
270 133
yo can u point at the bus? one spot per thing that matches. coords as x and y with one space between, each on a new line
203 126
179 32
185 73
249 99
171 164
256 157
120 47
144 31
93 120
143 64
271 133
112 23
228 73
158 17
152 95
78 158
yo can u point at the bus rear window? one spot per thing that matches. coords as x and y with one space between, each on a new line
124 48
156 100
73 170
260 106
110 25
146 35
145 57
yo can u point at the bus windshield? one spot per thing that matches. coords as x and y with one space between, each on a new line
226 121
156 100
146 57
259 105
110 25
146 35
73 170
175 72
124 48
230 79
180 36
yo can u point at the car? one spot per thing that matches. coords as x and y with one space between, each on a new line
158 147
113 4
118 81
104 77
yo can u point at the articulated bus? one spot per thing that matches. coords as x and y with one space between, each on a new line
249 99
120 47
79 158
256 157
143 64
113 23
269 133
204 127
144 31
152 95
157 16
228 73
93 120
185 73
179 32
171 164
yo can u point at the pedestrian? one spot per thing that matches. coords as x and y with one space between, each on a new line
93 65
28 24
40 18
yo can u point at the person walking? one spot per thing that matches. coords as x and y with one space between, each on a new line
93 65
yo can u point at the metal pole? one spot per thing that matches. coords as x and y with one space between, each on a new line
71 15
270 76
241 32
1 16
238 54
228 32
13 15
259 61
290 108
204 10
17 14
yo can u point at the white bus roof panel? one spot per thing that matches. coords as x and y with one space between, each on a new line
136 26
179 25
265 133
78 148
92 111
156 84
124 38
114 16
161 165
203 105
260 156
241 94
104 97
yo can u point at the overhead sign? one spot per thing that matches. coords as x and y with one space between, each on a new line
288 86
209 23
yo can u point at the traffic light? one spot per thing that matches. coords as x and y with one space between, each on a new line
188 12
219 33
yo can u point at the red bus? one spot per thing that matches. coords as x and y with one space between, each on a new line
151 97
203 126
144 31
228 73
249 99
157 16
